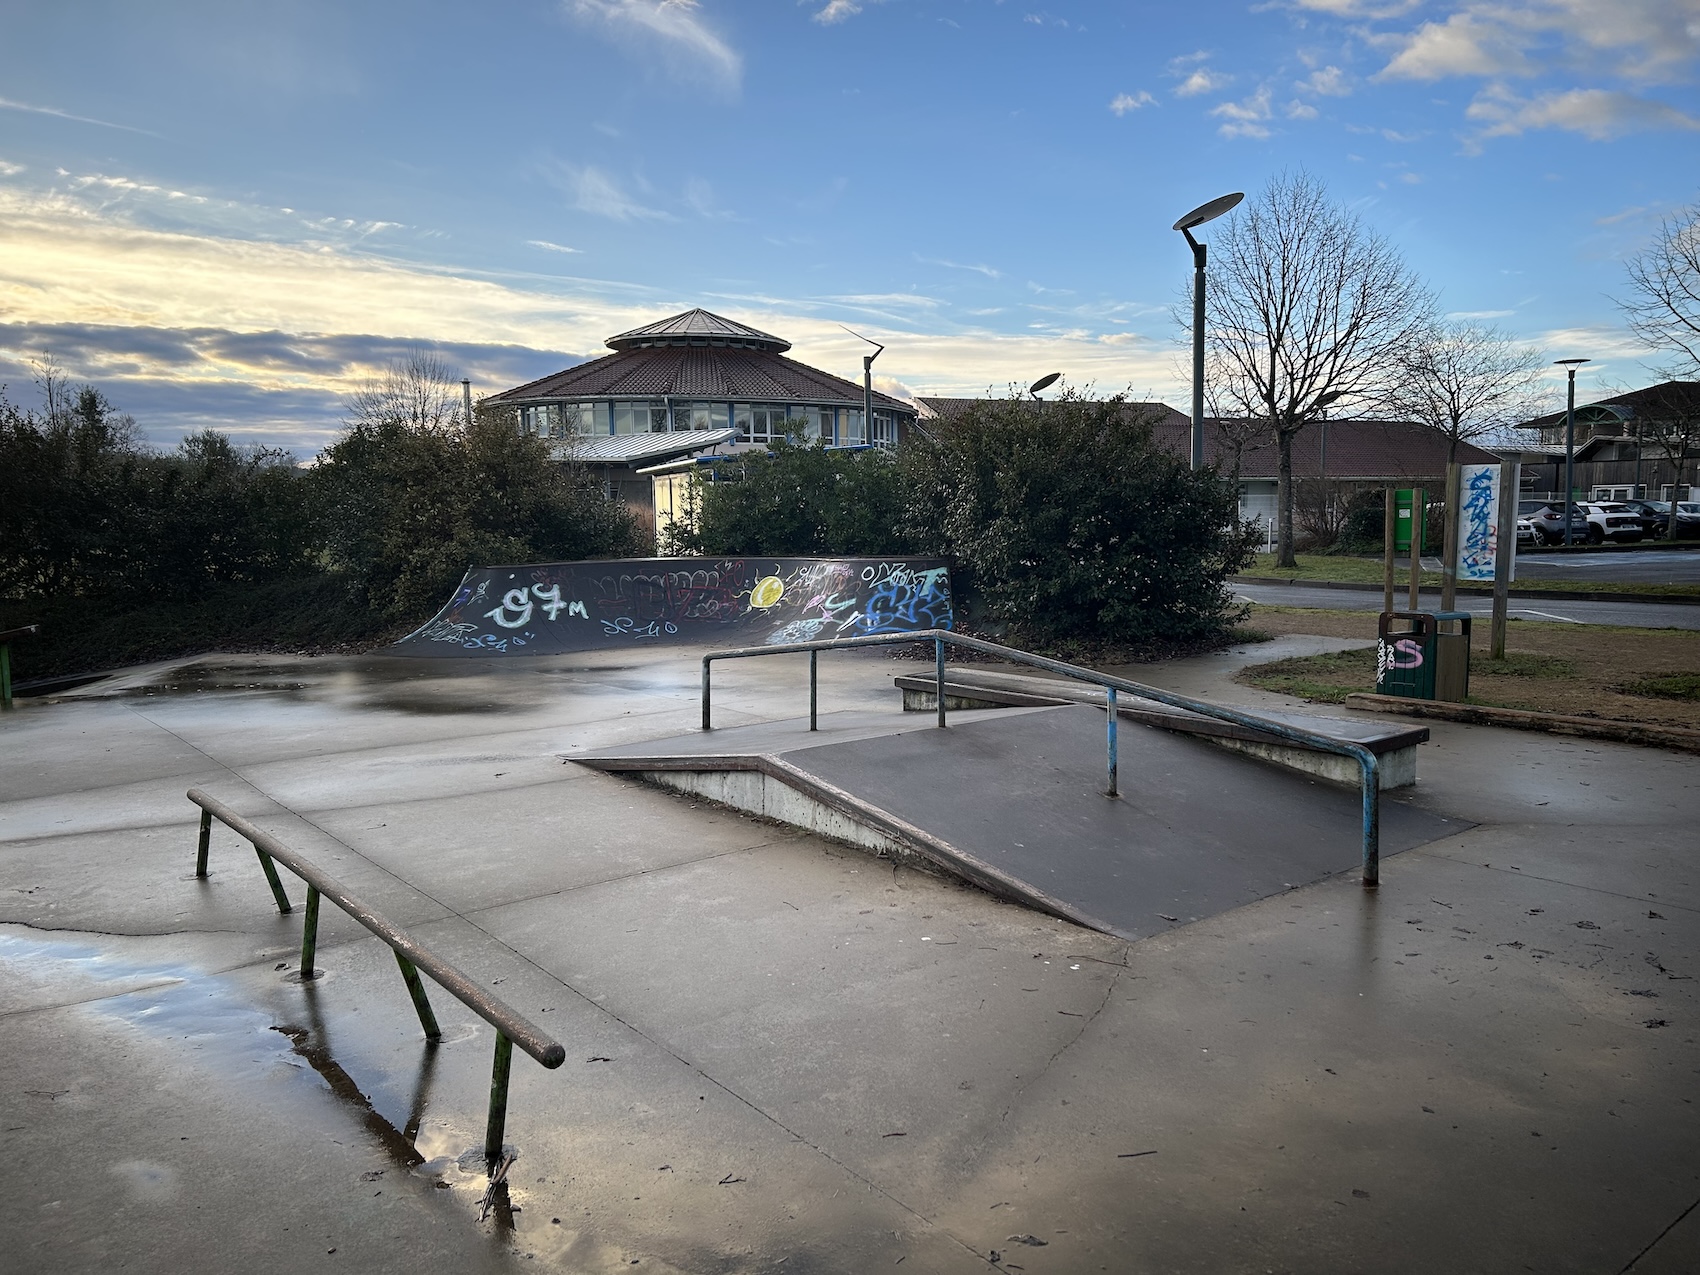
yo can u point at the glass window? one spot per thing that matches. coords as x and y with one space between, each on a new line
657 419
631 418
853 433
742 419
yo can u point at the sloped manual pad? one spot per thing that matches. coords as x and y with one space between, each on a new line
1014 801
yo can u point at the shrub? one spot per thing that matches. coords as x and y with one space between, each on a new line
798 499
1071 521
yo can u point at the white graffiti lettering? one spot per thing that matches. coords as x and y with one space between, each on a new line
513 600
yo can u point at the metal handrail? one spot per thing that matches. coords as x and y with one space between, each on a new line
412 956
1368 765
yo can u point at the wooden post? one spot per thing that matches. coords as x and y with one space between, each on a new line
1509 485
1419 515
1389 530
1449 541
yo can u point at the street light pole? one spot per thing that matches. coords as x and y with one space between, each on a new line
867 384
1570 365
1197 217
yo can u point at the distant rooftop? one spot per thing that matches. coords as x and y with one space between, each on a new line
699 327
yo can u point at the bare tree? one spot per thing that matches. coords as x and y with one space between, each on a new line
1464 379
1305 303
1663 307
417 391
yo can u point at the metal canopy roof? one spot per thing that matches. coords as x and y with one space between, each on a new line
629 449
698 327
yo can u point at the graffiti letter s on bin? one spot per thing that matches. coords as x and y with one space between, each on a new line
1403 653
513 600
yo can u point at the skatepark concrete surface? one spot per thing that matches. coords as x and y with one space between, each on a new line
787 1055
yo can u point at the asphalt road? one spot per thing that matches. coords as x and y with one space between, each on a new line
1640 615
1640 566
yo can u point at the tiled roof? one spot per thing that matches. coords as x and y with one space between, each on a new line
630 449
1357 449
698 327
686 372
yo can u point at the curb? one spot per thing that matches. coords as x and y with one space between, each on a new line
1681 738
1551 595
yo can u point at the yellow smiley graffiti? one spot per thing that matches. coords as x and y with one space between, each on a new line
768 590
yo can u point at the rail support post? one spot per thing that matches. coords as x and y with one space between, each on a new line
814 685
938 674
1111 713
421 1005
705 692
310 933
497 1126
271 880
205 843
1372 827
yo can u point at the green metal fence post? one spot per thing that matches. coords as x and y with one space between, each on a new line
310 933
498 1100
416 989
271 880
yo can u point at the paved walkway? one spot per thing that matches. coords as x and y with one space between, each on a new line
784 1055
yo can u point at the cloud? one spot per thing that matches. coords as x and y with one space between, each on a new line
1327 81
1360 8
1301 111
10 170
1645 41
674 26
1597 114
7 104
1125 102
593 191
699 197
1202 80
550 247
1462 45
1244 118
192 329
988 271
837 11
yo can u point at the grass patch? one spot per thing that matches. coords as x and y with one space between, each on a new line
1576 669
1369 571
305 614
1675 686
1326 679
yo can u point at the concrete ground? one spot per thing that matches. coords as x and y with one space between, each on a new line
784 1055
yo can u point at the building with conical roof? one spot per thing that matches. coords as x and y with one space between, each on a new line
685 389
695 372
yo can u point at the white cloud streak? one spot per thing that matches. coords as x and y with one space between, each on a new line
590 190
7 104
676 27
837 11
1597 114
1122 103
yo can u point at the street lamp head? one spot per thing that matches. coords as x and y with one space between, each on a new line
1333 396
1208 212
1569 362
1044 383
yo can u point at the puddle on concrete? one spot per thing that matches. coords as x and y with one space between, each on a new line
208 1014
412 686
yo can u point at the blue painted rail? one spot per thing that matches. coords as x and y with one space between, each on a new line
1368 767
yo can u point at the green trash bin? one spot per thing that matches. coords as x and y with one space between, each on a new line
1424 655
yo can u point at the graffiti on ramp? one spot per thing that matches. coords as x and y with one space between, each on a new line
544 608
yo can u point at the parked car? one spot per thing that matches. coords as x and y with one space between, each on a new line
1526 533
1548 520
1612 520
1655 517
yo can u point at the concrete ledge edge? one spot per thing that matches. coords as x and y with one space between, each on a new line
1680 738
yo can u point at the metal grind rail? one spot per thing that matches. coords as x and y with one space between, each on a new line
412 956
1368 766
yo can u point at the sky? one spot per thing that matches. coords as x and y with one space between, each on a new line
229 215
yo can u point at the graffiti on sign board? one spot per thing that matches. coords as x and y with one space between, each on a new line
547 607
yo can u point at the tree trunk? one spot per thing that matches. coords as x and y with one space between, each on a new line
1284 499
